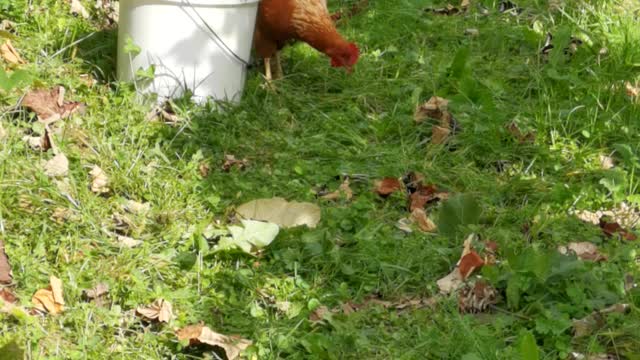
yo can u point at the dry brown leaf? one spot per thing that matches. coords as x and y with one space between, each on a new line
9 53
100 290
7 296
421 196
281 212
160 310
98 295
231 161
435 108
606 162
233 346
424 222
343 191
632 90
204 169
405 224
469 263
135 207
439 134
387 186
583 250
99 180
5 266
319 314
625 215
128 242
523 138
613 228
58 166
592 322
78 9
477 298
49 300
38 143
451 282
46 104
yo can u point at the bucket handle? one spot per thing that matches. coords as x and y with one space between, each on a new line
241 60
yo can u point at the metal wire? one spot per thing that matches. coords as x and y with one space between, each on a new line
213 32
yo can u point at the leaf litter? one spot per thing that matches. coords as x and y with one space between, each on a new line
97 294
50 300
5 267
10 54
50 105
436 108
198 334
583 250
160 311
230 161
99 180
344 191
281 212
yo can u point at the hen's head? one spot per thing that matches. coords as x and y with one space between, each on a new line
345 56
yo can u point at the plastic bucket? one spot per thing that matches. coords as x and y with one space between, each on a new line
197 45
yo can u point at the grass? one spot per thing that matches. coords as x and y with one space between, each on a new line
320 124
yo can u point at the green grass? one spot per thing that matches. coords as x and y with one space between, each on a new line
322 123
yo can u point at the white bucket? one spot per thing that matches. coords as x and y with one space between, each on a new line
200 45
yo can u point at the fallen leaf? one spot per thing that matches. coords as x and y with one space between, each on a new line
451 282
135 207
421 196
128 242
405 224
46 104
231 161
78 9
49 300
58 166
7 296
613 228
435 108
477 298
424 223
579 356
38 143
97 294
447 10
439 134
3 132
319 314
469 263
583 250
233 346
472 32
523 138
625 215
597 319
5 266
387 186
281 212
343 190
160 310
9 53
99 180
632 90
204 169
253 235
606 162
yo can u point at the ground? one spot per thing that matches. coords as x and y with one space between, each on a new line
318 125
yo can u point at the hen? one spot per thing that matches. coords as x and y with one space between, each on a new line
282 21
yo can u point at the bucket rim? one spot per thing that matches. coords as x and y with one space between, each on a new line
200 2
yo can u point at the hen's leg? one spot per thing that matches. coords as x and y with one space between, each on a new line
278 67
267 69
